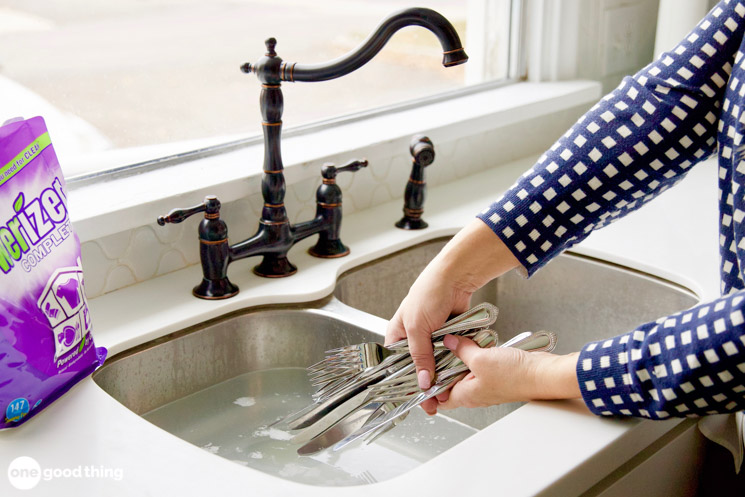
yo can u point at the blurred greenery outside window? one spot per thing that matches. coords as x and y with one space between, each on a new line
129 81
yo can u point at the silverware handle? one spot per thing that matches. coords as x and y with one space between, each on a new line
540 341
479 316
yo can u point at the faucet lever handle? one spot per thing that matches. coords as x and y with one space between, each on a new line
210 205
352 166
329 171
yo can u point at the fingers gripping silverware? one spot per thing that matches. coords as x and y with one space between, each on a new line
348 360
345 361
331 375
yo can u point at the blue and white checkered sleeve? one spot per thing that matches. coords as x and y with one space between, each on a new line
634 144
689 364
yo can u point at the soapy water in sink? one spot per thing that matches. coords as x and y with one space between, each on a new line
232 419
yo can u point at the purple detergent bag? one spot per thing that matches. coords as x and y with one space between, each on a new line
46 344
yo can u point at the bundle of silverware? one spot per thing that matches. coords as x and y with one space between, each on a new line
364 390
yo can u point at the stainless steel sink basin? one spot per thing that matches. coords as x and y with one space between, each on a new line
579 298
221 386
178 365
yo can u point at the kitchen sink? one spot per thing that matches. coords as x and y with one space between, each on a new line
221 385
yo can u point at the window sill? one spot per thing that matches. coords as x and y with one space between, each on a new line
110 207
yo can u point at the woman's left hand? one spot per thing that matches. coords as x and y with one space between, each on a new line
499 375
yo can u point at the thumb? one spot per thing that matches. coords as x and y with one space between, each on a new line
464 348
395 330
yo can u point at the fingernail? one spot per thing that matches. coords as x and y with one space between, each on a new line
450 342
424 379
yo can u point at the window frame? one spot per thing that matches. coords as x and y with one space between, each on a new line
516 71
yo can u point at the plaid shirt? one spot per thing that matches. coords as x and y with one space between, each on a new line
637 142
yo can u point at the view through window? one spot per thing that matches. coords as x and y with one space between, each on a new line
126 80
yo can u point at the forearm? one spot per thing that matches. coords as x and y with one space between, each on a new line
689 363
473 257
556 377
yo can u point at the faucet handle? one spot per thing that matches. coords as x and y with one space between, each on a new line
214 249
210 205
328 211
329 171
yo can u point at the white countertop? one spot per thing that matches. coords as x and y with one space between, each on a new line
554 445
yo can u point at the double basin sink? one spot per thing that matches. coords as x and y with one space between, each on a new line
222 384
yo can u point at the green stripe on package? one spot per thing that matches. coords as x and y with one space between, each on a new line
24 157
46 344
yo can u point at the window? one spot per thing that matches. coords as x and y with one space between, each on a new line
126 81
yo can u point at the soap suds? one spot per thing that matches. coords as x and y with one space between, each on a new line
273 433
245 401
211 448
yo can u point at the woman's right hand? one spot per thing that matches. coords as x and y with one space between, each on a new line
471 259
431 300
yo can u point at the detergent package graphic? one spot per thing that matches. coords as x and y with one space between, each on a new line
46 344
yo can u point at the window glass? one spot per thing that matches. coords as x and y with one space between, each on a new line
125 80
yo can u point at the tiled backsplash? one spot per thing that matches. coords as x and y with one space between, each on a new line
136 255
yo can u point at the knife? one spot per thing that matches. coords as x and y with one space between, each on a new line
404 408
335 416
321 439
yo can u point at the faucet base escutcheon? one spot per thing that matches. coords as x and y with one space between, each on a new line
275 267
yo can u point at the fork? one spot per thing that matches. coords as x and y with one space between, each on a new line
344 361
402 364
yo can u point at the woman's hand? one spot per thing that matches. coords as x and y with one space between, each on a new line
431 300
500 375
471 259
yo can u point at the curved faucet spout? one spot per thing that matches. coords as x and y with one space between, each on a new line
453 53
